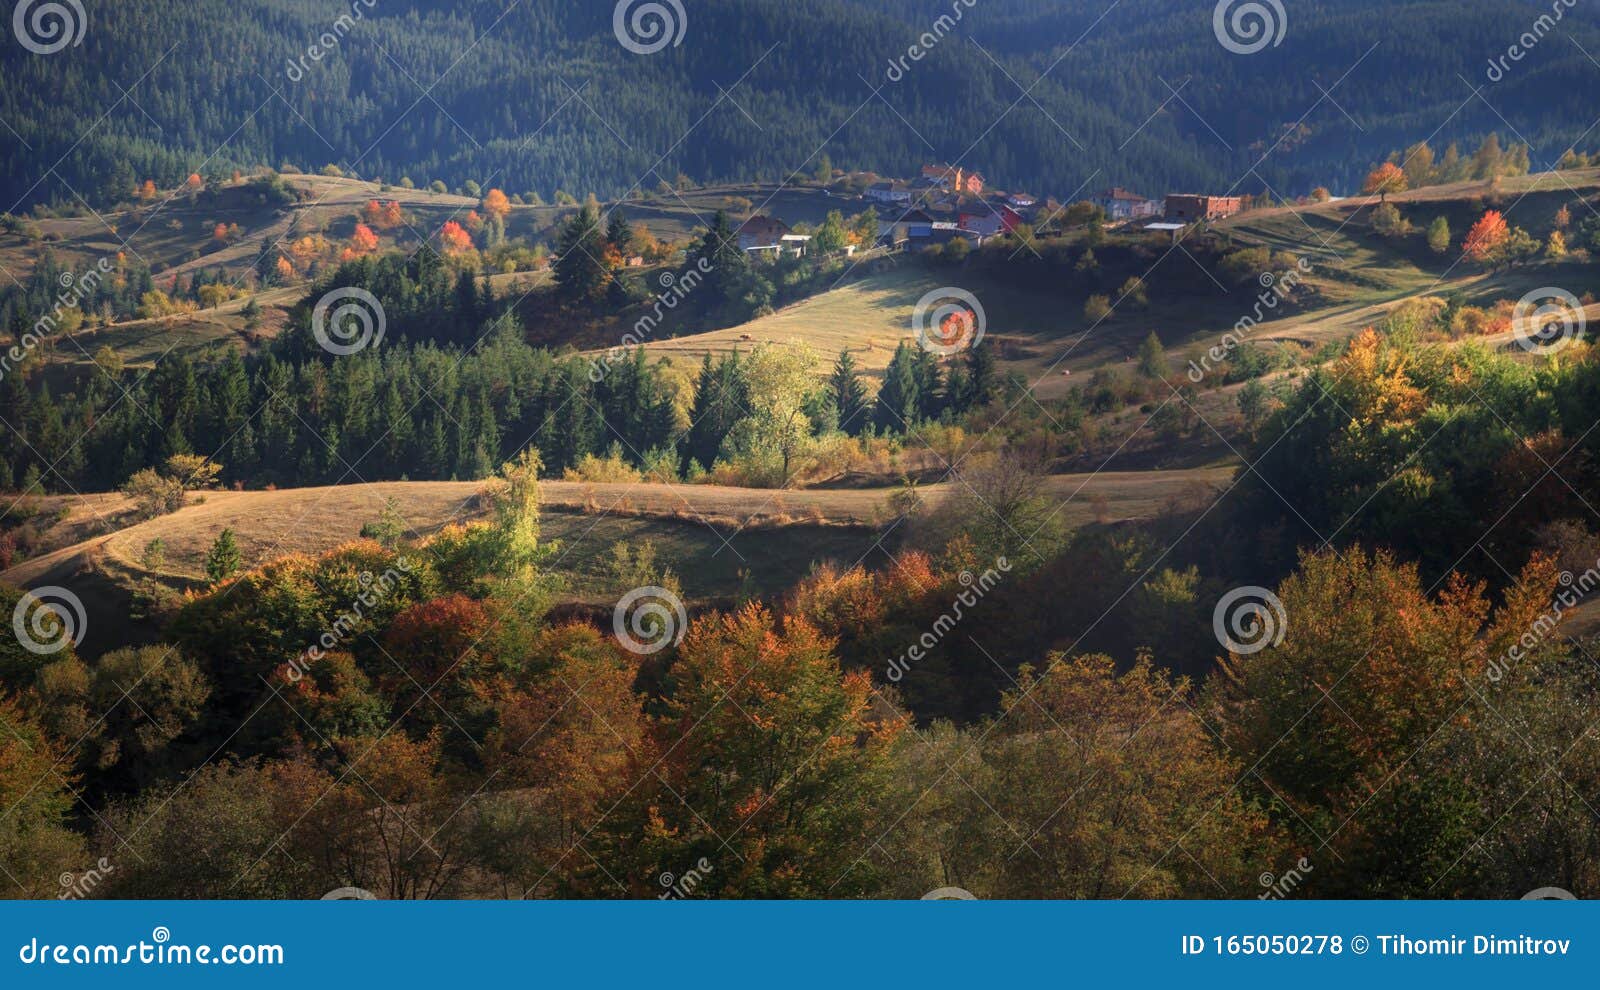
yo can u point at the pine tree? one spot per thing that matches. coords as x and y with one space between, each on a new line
848 395
720 400
981 380
726 265
223 559
619 233
898 401
930 385
580 270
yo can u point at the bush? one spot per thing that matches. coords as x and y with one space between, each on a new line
153 493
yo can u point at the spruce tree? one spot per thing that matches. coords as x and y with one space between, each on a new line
619 233
898 401
720 401
848 395
580 270
982 380
223 559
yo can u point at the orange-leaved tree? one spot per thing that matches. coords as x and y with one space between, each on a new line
496 204
1385 179
453 238
363 240
1487 238
1351 722
768 747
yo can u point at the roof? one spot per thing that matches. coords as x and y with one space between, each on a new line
1165 226
1117 192
759 225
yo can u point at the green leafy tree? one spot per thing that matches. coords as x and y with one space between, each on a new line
1439 235
777 429
832 236
1152 362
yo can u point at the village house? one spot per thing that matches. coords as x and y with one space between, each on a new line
1189 208
888 192
941 232
989 219
896 230
1121 204
1021 201
762 233
954 178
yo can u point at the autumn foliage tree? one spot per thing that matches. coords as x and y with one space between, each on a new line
496 204
454 239
1487 239
1342 720
1102 777
567 741
1385 179
363 240
764 744
382 216
36 846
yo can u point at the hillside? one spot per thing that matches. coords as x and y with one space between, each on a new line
721 542
1035 93
1035 317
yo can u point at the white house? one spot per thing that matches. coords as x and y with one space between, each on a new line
887 192
1120 204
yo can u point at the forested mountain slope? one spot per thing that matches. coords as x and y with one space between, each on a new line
539 95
